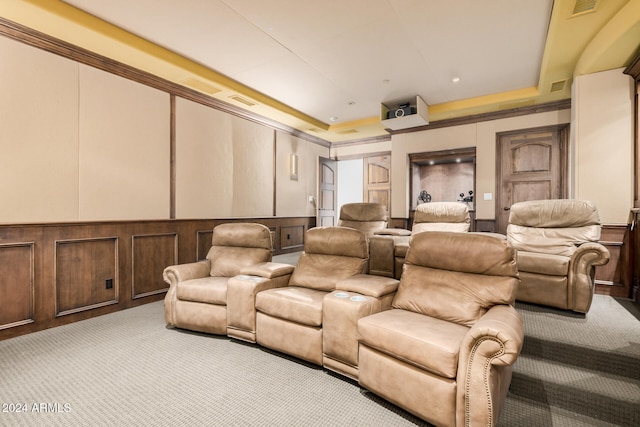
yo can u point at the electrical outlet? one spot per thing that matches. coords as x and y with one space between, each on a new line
109 283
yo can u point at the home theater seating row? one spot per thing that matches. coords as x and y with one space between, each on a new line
389 246
556 243
440 343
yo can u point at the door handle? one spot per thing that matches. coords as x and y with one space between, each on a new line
506 209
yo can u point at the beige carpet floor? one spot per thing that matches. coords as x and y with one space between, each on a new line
128 369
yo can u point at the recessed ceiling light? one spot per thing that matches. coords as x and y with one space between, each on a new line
352 103
333 118
455 79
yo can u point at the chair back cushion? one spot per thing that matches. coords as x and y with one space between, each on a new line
366 217
330 254
441 216
457 276
238 245
554 227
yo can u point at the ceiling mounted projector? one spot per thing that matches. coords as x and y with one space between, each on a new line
406 114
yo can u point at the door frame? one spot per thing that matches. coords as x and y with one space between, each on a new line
322 160
563 139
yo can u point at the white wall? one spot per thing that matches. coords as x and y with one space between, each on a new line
350 182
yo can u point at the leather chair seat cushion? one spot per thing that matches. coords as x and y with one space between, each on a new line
555 241
547 264
426 342
209 290
296 304
322 272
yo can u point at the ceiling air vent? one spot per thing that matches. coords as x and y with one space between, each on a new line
201 86
584 6
558 86
242 100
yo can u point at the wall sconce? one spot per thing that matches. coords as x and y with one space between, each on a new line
293 167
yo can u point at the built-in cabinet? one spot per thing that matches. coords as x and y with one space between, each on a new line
443 176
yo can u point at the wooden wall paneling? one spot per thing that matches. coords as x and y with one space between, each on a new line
203 243
616 277
17 287
402 223
151 253
86 274
55 273
485 225
292 238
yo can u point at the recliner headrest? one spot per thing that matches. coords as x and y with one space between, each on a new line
442 212
556 213
339 241
241 234
363 212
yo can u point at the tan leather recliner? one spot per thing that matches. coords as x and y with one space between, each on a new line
557 249
445 350
290 319
366 217
197 297
389 247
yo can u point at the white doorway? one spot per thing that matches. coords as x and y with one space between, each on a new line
350 182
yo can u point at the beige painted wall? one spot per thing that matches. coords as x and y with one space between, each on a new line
38 135
224 165
80 144
602 143
292 196
124 149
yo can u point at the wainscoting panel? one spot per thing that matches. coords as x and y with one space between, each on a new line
616 277
86 274
58 273
151 254
292 237
203 242
17 285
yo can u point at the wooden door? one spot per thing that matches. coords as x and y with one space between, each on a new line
531 165
327 179
377 180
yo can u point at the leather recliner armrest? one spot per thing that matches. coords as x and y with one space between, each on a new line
392 232
487 354
268 270
175 274
369 285
182 272
580 281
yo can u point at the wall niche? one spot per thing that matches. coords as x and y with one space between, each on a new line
446 176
